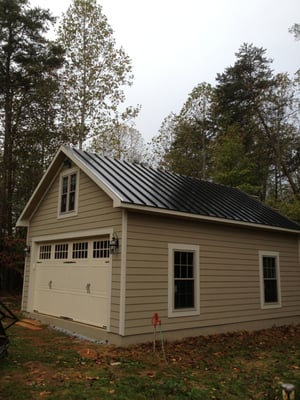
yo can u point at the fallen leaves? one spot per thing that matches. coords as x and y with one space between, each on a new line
88 353
217 366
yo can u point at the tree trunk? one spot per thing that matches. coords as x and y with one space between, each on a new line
276 147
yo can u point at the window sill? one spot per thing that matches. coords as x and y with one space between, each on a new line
183 313
67 215
271 305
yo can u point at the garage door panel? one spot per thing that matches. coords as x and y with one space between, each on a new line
77 290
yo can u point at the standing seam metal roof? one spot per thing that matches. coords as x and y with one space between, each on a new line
145 186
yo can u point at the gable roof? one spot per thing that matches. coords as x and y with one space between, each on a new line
145 188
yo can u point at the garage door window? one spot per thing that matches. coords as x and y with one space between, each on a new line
80 250
61 251
101 249
45 252
83 250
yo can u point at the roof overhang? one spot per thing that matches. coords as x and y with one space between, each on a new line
205 218
65 152
48 178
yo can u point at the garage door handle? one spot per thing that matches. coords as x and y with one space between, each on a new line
88 288
50 284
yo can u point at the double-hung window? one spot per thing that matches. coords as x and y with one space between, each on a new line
68 193
270 279
183 293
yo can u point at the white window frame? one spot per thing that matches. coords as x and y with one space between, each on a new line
172 312
68 213
275 255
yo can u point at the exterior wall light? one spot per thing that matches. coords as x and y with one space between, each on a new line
114 244
27 251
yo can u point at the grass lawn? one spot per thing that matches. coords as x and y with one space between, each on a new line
46 364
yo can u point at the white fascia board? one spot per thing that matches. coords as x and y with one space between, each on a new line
68 153
25 222
205 218
96 179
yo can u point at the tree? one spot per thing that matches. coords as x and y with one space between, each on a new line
93 76
28 62
196 114
239 96
295 30
261 107
160 145
126 143
278 119
231 164
186 140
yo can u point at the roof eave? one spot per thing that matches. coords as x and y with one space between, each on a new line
44 184
206 218
39 192
102 185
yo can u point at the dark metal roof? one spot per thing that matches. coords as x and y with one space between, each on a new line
137 185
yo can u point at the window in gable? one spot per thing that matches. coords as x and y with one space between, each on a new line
270 280
68 193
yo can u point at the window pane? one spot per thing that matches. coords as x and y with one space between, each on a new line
45 252
101 249
270 279
68 193
72 201
65 185
80 250
73 183
270 287
63 205
269 268
177 257
184 294
61 251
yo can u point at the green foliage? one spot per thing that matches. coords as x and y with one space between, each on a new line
184 141
289 207
244 132
188 151
232 166
11 263
28 84
94 74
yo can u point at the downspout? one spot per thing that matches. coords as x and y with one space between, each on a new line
123 274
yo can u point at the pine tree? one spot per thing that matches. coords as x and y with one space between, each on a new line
28 62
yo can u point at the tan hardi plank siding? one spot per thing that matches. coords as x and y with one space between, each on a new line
229 272
95 211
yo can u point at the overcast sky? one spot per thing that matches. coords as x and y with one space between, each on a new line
175 45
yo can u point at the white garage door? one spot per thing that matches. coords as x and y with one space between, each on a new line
72 280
